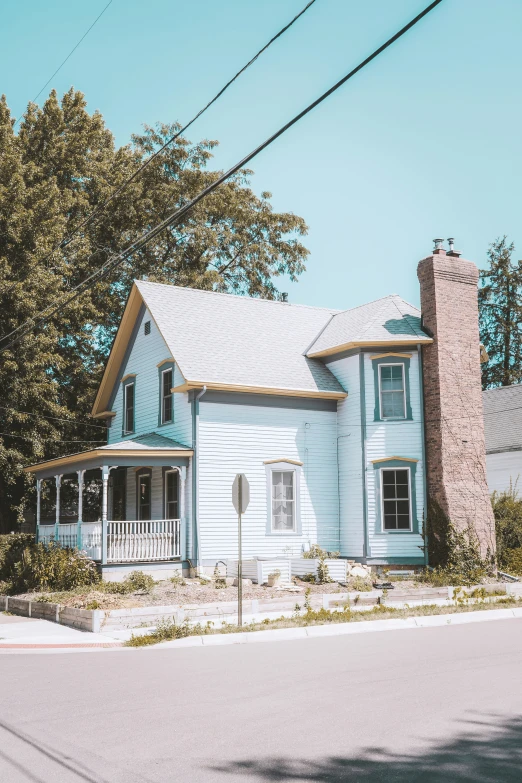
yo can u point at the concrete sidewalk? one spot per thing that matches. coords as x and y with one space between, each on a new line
25 633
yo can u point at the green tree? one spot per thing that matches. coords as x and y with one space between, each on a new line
60 166
500 307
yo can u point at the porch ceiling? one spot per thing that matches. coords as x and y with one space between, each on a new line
144 450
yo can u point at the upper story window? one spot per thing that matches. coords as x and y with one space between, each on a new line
396 506
129 400
166 396
392 391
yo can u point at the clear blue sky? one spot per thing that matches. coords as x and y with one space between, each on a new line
424 142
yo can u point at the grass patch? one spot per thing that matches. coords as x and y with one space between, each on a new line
168 630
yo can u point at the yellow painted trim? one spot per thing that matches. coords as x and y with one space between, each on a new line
129 375
283 459
106 455
385 355
372 344
165 361
104 415
387 459
321 395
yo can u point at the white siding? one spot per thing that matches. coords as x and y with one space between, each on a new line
389 439
146 353
350 457
237 439
504 468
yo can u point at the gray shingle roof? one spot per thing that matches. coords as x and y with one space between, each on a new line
503 418
390 319
148 442
238 340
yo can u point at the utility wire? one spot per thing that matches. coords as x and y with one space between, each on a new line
176 216
67 240
53 418
68 56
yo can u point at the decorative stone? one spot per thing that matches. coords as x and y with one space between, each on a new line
246 582
359 570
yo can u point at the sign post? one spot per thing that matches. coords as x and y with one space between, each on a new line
240 499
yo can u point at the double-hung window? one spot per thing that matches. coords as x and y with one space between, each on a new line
171 494
166 396
128 408
396 499
283 501
392 391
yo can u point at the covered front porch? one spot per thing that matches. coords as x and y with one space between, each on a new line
125 503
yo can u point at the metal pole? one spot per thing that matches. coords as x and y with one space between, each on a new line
240 558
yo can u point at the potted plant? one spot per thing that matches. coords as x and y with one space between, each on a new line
274 578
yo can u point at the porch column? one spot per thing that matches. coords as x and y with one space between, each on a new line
81 474
58 480
182 522
38 505
105 486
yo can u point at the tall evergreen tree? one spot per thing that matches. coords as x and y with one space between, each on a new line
61 165
500 306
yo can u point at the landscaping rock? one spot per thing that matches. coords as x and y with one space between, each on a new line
246 582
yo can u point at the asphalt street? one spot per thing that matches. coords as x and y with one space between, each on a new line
431 705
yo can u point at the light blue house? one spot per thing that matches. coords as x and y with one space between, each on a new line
322 411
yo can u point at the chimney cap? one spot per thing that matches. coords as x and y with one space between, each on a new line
438 246
452 251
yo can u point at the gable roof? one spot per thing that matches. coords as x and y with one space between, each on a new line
503 418
387 320
225 341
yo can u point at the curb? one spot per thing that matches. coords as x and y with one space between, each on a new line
341 629
59 646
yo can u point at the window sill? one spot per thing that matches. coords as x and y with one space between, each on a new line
397 532
165 423
279 533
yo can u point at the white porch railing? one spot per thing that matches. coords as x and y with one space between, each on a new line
157 539
127 542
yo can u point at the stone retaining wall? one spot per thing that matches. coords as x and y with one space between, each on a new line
97 620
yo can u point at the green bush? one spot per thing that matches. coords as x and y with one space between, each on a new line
135 582
28 566
512 561
507 508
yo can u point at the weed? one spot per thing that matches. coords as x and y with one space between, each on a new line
177 580
92 605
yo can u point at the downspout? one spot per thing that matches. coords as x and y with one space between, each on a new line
195 477
362 395
425 468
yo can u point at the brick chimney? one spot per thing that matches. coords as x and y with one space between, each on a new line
454 424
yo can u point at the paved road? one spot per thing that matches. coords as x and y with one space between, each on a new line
439 705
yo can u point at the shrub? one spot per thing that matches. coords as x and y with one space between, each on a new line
507 508
512 561
28 566
139 582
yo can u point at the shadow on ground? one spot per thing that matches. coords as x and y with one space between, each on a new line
489 750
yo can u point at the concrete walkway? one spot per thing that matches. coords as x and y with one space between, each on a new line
25 633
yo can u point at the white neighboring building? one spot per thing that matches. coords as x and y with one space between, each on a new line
503 429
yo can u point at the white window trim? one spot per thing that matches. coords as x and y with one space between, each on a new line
125 389
286 466
395 529
163 420
393 418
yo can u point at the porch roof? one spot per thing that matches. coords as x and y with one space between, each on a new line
142 450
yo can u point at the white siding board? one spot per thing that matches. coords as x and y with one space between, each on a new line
350 457
504 468
237 439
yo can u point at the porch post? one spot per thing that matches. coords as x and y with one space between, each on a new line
105 484
38 504
81 474
58 479
182 523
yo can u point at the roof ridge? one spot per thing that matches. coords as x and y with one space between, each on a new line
241 297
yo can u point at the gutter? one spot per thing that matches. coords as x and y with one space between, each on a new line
195 477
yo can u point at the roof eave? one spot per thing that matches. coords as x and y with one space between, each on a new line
368 344
106 455
310 393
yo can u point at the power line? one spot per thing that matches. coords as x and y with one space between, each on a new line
53 418
176 216
67 240
26 437
68 56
